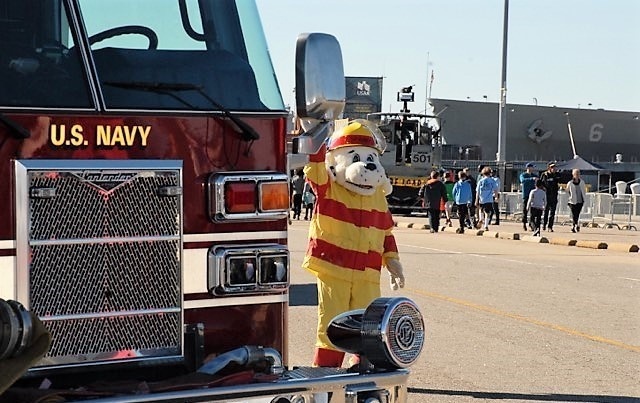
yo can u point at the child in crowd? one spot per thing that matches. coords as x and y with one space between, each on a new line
448 205
462 196
536 204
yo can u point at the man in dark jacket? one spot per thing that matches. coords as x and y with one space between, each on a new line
551 180
432 194
472 221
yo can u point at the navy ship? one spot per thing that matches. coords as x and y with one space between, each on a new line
608 139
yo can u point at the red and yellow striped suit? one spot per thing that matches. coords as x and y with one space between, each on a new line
349 241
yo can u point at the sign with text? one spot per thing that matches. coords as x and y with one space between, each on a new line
363 96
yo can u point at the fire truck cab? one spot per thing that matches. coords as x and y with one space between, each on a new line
144 219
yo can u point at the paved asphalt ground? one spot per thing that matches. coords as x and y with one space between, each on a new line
506 320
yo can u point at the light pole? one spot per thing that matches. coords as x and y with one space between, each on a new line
501 155
502 116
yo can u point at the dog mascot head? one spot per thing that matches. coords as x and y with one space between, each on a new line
353 158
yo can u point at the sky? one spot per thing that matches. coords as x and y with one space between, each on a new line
568 53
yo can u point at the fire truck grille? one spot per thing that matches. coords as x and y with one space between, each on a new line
105 277
85 210
82 337
104 262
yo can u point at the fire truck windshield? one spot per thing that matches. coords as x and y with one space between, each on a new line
216 46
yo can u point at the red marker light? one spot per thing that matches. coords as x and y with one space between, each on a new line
240 197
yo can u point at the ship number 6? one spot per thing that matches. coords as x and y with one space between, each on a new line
595 134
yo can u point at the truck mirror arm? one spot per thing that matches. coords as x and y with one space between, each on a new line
311 141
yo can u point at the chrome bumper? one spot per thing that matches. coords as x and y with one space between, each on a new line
301 385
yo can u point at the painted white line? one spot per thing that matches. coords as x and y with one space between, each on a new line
480 256
630 279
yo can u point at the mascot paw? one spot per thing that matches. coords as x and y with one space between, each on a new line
394 283
396 275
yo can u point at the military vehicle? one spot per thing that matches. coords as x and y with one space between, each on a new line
414 149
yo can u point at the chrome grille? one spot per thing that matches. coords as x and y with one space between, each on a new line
103 248
129 210
118 335
392 332
105 277
406 348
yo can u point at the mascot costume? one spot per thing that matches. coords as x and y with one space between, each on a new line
350 237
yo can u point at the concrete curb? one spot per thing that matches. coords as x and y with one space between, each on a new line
563 241
623 247
473 232
534 239
591 244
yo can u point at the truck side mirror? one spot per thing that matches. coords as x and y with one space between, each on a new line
320 88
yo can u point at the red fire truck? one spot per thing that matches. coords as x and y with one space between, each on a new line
145 201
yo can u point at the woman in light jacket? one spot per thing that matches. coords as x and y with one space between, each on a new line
577 191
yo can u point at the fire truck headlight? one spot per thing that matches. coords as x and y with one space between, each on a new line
274 269
389 333
245 269
241 271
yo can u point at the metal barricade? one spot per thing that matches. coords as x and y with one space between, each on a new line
599 209
511 205
616 212
563 212
602 204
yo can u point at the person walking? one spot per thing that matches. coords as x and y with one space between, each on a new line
536 204
486 191
551 181
308 200
433 193
462 196
577 190
472 221
297 186
496 200
448 205
528 182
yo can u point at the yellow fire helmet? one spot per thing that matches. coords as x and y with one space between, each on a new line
358 132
